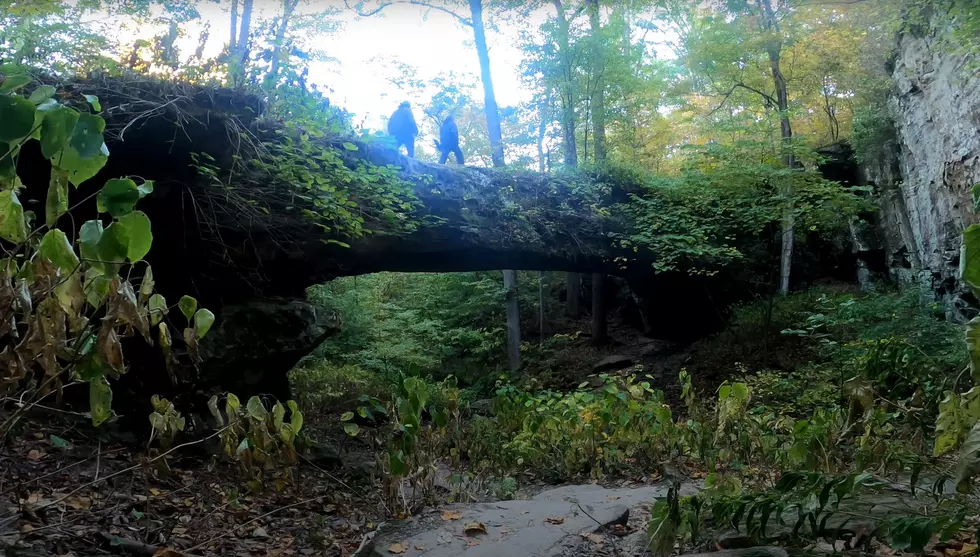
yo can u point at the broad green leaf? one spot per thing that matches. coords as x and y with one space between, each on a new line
396 460
94 101
79 168
296 417
973 344
89 237
146 188
14 82
278 415
56 127
57 250
100 401
347 416
187 305
350 146
42 94
118 197
158 308
352 429
949 425
256 409
16 118
87 138
96 287
203 320
971 260
56 203
129 237
13 227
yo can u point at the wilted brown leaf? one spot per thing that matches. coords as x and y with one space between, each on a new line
451 515
420 548
167 552
555 520
396 548
35 455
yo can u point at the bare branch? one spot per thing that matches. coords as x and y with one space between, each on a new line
383 5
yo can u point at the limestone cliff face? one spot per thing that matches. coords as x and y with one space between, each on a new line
925 177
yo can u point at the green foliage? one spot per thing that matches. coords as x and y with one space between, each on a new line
71 304
258 436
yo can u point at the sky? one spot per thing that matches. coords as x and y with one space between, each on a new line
428 40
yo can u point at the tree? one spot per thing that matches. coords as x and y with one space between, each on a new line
599 329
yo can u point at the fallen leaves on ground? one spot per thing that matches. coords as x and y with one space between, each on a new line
475 527
594 538
396 548
451 515
420 548
555 520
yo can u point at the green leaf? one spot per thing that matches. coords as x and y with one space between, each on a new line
256 409
58 442
146 188
13 227
57 250
56 203
118 197
94 101
968 464
80 168
42 94
129 237
8 168
352 429
350 146
56 128
203 320
16 118
14 82
100 400
396 459
158 308
187 305
87 138
971 259
96 287
296 417
347 416
89 237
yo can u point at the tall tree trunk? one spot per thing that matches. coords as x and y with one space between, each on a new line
599 94
513 322
543 116
541 305
240 55
568 88
774 48
288 6
599 331
573 291
489 98
234 27
599 146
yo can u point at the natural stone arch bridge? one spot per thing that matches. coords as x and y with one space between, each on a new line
241 244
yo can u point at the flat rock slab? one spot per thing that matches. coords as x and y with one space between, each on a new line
528 528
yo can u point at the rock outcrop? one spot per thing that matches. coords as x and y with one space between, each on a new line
924 179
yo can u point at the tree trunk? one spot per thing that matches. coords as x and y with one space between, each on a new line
288 6
774 49
541 305
599 94
573 291
568 88
489 98
513 322
234 27
240 56
543 110
599 333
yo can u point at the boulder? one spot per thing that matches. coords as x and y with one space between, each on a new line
255 344
612 363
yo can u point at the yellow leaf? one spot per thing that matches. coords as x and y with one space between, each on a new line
475 527
396 548
967 549
154 492
451 515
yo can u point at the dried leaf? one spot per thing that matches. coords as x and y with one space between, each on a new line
420 548
451 515
396 548
967 549
475 527
35 455
555 520
167 552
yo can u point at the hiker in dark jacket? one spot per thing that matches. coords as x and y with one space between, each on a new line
449 141
403 127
